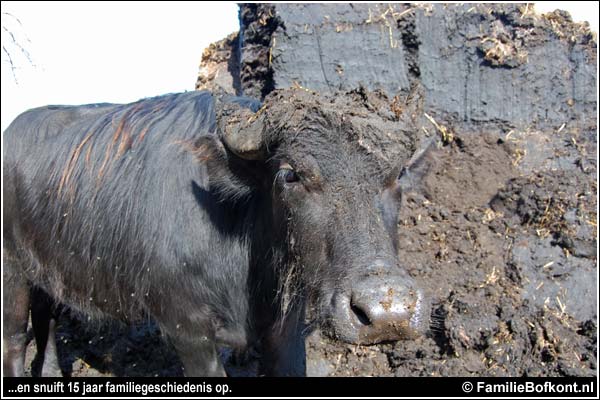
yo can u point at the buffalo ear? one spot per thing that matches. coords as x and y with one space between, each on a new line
228 176
408 178
241 130
412 174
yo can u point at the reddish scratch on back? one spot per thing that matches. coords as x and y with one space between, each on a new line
68 171
120 134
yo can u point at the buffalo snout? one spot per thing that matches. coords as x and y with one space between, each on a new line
382 305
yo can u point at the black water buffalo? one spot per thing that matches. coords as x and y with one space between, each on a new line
220 219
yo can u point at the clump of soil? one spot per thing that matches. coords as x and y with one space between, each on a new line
220 66
257 24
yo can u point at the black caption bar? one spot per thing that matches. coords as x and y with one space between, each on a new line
299 387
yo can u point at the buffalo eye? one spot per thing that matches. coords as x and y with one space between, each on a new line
290 176
287 174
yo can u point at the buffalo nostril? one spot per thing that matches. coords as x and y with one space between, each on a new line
360 314
382 312
378 309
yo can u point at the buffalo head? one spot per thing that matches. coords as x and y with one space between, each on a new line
335 201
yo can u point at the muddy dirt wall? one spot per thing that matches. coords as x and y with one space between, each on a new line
500 64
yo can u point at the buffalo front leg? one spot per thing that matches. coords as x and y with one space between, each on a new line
283 349
15 316
43 320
